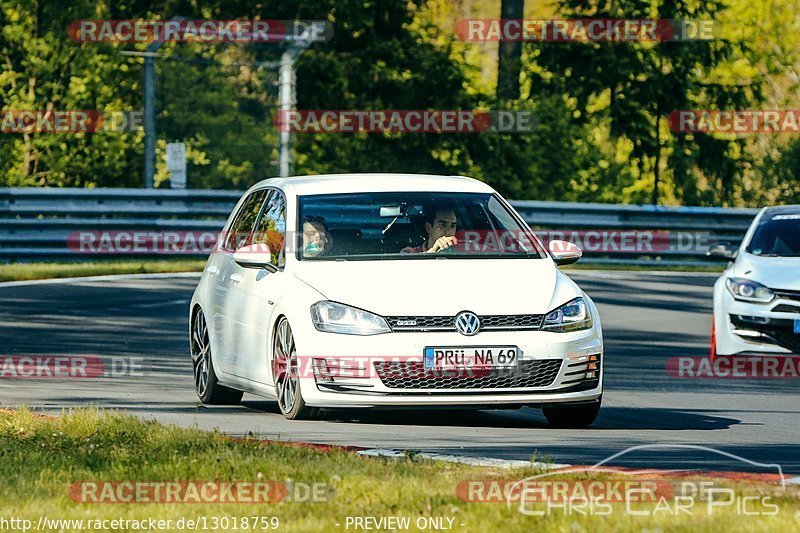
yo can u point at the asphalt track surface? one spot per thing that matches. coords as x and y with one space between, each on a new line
647 318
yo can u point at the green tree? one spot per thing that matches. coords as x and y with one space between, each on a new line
44 70
629 88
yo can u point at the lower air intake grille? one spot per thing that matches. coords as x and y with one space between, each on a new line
412 375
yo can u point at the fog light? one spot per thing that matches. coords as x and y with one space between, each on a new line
321 371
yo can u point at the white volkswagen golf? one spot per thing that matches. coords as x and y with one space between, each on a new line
757 298
386 290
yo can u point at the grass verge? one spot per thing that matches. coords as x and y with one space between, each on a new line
41 457
31 271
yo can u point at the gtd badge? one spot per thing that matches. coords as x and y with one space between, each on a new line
468 323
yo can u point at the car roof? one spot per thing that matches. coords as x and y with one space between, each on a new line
374 182
782 210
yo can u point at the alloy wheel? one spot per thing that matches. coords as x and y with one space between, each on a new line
201 354
284 367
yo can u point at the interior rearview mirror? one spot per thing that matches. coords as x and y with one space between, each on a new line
392 211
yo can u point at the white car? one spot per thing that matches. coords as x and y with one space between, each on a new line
757 298
397 291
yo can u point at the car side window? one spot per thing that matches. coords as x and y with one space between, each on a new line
240 232
271 229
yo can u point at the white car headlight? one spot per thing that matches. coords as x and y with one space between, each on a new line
334 317
572 316
746 290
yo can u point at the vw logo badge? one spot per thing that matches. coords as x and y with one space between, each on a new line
467 323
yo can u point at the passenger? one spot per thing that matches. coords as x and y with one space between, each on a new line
315 236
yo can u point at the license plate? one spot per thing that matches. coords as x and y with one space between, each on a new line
466 357
797 325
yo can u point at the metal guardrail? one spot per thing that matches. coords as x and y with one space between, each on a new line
40 223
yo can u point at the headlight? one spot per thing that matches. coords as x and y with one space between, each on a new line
572 316
747 290
339 318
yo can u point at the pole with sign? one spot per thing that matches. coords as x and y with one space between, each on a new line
176 165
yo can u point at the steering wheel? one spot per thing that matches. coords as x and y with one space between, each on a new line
455 249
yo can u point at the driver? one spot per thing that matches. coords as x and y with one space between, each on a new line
315 236
441 230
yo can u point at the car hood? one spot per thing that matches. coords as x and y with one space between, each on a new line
441 286
774 272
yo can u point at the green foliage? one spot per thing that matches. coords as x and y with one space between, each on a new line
44 70
629 88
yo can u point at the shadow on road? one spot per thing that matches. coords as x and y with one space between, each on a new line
611 418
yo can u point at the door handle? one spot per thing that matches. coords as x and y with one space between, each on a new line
236 278
213 270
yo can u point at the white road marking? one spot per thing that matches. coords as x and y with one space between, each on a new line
108 277
463 459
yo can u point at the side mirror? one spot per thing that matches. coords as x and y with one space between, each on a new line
721 250
254 256
564 252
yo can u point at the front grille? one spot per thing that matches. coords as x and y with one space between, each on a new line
787 295
778 331
511 321
447 323
785 308
412 375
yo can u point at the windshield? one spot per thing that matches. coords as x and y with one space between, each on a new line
411 225
777 236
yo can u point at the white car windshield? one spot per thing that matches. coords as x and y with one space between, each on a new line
777 236
411 225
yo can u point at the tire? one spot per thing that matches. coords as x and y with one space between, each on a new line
206 384
573 416
285 375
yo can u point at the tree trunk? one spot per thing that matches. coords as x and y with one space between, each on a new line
509 55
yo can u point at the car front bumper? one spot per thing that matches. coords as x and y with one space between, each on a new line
386 370
752 328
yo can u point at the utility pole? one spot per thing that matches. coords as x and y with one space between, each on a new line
657 167
150 136
287 102
150 114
